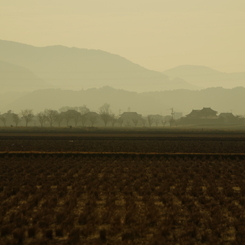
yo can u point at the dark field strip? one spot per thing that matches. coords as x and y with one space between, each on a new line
124 154
160 137
138 145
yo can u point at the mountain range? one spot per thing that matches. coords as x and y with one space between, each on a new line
18 78
24 67
219 99
75 68
205 77
56 76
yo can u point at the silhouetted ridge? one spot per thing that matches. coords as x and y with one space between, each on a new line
206 77
15 78
75 68
219 99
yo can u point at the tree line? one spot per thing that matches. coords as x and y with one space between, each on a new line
80 116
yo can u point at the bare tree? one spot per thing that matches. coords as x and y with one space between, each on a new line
16 119
42 118
83 119
104 112
135 121
76 117
120 121
163 122
68 116
84 114
113 119
157 121
3 118
83 109
27 115
59 118
92 118
150 120
51 116
143 122
172 122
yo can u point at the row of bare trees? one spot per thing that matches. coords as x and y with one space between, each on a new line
79 115
67 115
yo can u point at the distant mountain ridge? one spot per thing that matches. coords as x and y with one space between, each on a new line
15 78
75 68
93 98
206 77
219 99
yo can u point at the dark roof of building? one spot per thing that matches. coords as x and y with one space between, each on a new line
208 109
205 112
130 113
227 115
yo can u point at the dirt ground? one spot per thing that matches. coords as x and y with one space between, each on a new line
122 199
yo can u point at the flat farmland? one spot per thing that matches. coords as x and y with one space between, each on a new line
125 142
122 189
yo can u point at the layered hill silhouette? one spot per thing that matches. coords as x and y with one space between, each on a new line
75 68
206 77
93 98
16 78
219 99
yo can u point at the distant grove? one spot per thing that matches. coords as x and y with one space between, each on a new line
81 116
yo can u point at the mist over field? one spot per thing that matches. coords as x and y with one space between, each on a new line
56 76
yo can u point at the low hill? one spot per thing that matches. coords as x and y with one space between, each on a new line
219 99
75 68
206 77
93 98
15 78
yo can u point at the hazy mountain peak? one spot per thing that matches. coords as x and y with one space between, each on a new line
204 76
76 68
192 69
219 99
18 78
180 83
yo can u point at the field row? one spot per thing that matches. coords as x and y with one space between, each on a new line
121 200
162 145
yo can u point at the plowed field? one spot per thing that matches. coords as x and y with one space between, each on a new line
122 198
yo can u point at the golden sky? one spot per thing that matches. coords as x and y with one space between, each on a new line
157 34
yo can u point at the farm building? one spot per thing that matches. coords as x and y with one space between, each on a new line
206 112
130 118
229 118
208 116
197 117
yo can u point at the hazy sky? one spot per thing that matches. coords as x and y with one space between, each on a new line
157 34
